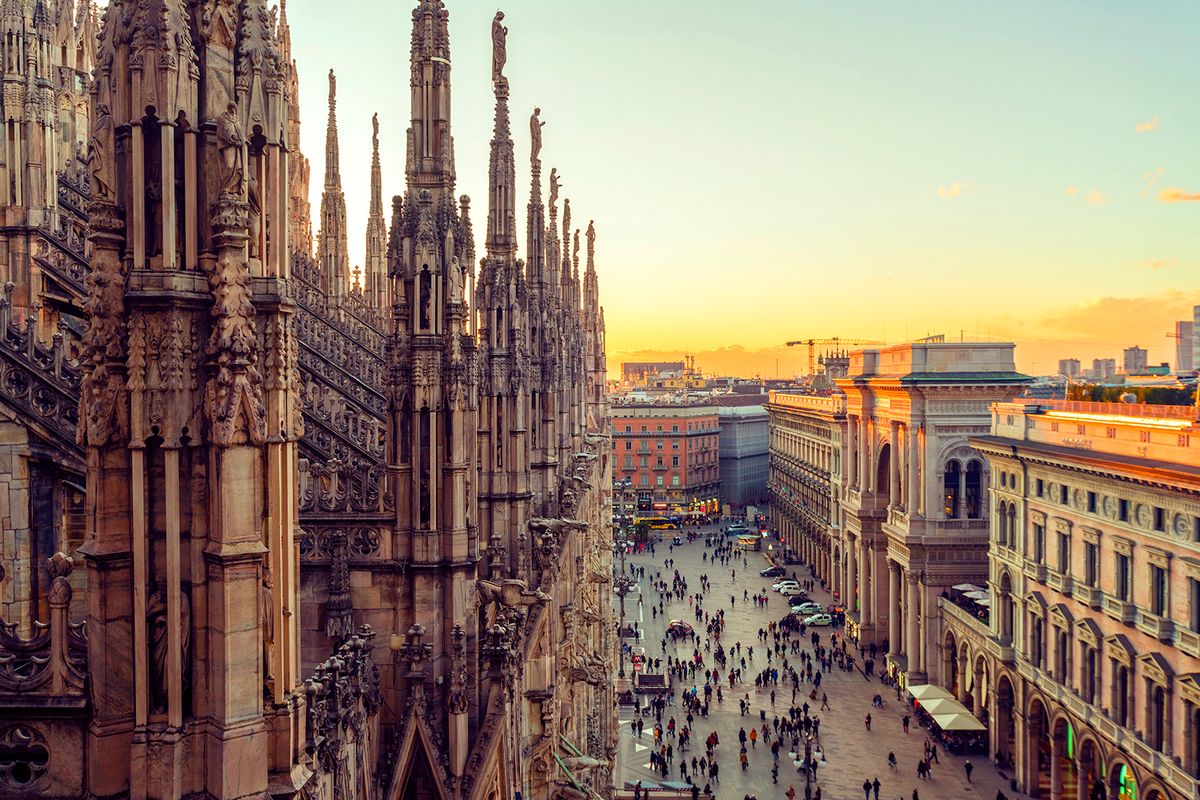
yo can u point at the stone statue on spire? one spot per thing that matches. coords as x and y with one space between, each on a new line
535 135
332 88
555 185
375 130
591 238
499 47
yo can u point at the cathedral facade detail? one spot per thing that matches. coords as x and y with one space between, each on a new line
274 526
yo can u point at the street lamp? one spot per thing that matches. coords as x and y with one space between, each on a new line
808 767
622 585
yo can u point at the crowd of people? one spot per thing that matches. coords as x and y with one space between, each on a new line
782 682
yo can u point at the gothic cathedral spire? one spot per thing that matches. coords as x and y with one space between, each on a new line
335 263
376 255
190 408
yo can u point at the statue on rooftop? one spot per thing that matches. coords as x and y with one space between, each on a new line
535 135
499 47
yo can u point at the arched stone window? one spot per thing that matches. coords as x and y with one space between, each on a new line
974 490
950 494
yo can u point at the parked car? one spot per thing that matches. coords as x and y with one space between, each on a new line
793 591
772 572
807 608
819 621
785 583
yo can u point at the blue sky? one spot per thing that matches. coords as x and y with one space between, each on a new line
799 169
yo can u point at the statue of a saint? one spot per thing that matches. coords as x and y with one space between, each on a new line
231 144
375 131
535 135
159 625
332 88
266 610
456 281
555 185
100 140
591 236
499 53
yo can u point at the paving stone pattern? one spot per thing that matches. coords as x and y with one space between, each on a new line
853 754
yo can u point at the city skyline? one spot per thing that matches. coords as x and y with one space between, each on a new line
1033 162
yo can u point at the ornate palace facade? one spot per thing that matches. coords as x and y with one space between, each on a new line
271 526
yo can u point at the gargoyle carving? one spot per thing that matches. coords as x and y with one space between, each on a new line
510 593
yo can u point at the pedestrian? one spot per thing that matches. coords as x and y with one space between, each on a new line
969 768
866 790
875 787
905 722
790 794
867 720
825 702
915 795
637 791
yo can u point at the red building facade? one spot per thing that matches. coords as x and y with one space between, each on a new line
665 457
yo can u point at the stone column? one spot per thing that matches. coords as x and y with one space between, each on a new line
962 492
852 452
866 456
910 620
851 575
861 560
912 489
894 466
1056 756
893 607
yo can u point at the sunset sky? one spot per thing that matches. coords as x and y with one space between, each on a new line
789 169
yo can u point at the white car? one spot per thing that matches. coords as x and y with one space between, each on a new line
807 609
818 621
784 584
793 591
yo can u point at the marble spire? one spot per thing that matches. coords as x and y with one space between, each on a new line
376 253
335 265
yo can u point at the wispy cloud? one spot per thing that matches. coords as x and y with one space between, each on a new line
1094 198
1072 191
1176 195
953 190
1146 127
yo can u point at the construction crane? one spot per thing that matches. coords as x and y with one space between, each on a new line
835 341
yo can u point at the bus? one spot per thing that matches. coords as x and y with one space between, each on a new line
659 523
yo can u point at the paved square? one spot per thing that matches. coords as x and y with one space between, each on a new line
853 754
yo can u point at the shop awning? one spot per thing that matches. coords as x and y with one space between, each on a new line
958 722
968 587
940 705
927 691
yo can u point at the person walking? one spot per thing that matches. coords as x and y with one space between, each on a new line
825 703
867 721
875 788
905 723
968 768
866 790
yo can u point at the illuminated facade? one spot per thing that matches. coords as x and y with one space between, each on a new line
669 454
914 490
807 452
1087 668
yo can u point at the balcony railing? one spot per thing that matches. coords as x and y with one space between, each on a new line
1160 628
1088 595
1188 641
1059 581
1119 609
